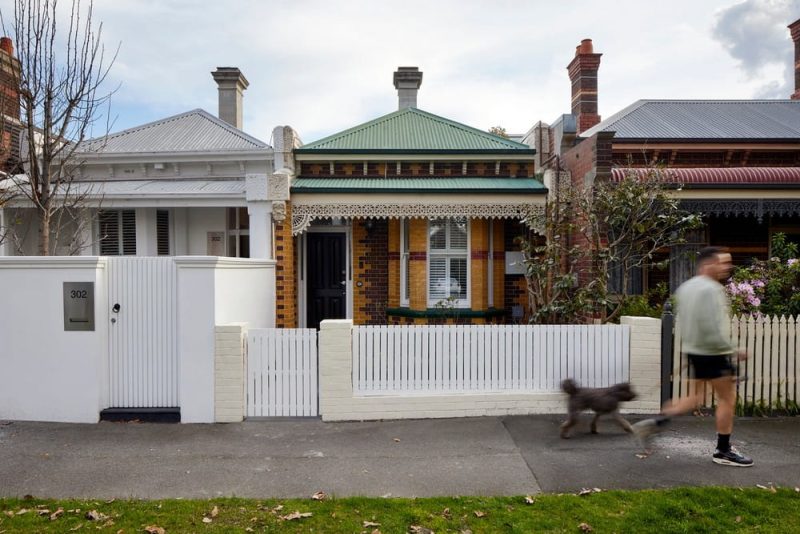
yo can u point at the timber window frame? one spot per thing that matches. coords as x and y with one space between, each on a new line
448 280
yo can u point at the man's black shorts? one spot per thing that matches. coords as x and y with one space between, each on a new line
705 367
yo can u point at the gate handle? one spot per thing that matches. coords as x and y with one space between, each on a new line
115 308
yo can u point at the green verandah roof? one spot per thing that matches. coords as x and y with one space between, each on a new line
413 185
413 130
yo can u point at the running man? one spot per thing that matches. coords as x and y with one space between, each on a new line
704 319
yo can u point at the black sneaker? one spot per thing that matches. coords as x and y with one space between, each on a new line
731 457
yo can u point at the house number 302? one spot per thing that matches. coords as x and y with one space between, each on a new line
78 294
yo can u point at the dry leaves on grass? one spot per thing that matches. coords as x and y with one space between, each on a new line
319 496
530 499
370 524
769 488
446 514
153 529
478 513
76 527
94 515
214 512
207 520
585 527
417 529
55 515
295 515
588 491
738 519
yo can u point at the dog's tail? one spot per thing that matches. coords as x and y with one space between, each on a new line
569 386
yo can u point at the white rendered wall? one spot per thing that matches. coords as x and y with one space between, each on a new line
214 291
200 221
46 373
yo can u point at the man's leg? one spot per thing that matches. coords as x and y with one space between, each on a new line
647 427
725 392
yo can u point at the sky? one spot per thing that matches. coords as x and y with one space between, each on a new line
322 66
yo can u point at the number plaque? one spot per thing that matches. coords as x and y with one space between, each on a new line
79 306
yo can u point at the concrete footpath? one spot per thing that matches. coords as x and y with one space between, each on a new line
295 458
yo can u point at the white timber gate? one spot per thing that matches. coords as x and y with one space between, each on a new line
282 376
142 335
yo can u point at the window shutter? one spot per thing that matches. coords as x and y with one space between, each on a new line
437 233
458 278
109 233
458 234
128 232
439 281
162 232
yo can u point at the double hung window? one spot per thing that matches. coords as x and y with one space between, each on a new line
448 261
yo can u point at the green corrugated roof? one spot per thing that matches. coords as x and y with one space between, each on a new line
413 130
411 185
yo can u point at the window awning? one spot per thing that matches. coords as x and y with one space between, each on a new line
713 177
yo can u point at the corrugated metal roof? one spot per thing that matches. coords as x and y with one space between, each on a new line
193 131
723 176
410 185
160 188
705 119
412 129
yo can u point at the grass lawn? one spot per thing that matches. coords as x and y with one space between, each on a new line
676 510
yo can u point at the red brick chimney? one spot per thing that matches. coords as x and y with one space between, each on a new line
583 74
10 126
794 27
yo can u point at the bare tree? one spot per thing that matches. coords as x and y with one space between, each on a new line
62 66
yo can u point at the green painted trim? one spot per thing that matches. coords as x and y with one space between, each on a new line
301 189
440 313
513 151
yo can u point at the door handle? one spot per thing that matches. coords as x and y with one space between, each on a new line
343 282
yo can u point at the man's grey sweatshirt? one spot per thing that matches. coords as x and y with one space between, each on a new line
703 317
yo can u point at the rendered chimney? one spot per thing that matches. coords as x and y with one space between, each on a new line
583 74
794 27
231 84
407 81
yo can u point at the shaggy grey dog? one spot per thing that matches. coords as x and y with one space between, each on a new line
600 400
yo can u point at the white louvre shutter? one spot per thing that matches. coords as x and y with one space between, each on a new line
438 282
458 233
437 234
162 232
128 232
109 233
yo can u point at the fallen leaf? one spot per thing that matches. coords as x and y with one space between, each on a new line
529 499
22 511
397 440
55 515
386 495
797 489
9 513
642 456
738 519
759 486
376 531
153 529
370 524
466 531
79 526
109 523
248 529
214 512
277 508
319 496
295 515
43 511
110 501
207 520
94 515
584 491
446 513
478 513
416 529
585 527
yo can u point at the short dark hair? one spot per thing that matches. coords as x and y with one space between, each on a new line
708 253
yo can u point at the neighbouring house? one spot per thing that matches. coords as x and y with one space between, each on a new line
408 218
190 184
738 161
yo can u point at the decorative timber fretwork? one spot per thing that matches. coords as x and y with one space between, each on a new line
745 207
304 214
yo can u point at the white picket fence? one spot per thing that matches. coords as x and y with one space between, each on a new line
772 370
487 358
282 372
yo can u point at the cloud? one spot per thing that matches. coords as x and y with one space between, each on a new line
754 33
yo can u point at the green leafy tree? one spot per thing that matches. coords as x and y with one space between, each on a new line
591 230
498 130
